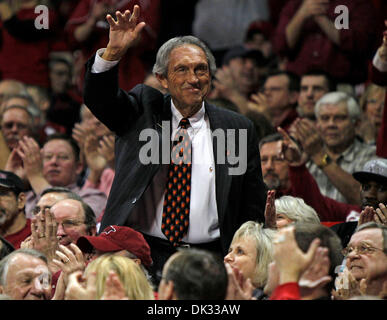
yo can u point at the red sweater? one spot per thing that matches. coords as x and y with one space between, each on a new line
24 50
17 238
305 186
380 78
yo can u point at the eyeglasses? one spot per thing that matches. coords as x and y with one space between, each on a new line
363 248
69 224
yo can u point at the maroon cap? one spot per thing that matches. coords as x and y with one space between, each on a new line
116 238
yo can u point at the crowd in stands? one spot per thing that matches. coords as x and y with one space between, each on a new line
311 84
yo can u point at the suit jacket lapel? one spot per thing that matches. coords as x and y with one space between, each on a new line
222 178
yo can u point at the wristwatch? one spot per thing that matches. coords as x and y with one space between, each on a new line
325 160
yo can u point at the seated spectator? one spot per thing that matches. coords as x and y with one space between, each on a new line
65 103
366 260
332 147
274 167
14 226
50 196
239 77
372 105
251 251
313 85
55 232
58 164
258 37
96 142
16 123
41 99
193 274
307 36
24 264
305 261
11 87
119 240
279 98
25 49
130 280
287 210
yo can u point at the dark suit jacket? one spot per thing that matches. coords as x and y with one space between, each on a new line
239 198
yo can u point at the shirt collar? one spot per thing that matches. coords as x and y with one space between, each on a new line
195 120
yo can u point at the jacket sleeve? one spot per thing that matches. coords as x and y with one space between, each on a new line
305 186
286 291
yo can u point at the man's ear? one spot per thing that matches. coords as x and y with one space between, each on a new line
163 80
169 291
21 200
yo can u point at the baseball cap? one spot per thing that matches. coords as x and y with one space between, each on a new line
12 181
241 51
375 170
116 238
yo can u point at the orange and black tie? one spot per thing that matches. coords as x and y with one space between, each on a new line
176 206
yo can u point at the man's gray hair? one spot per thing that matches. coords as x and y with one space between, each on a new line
162 58
4 263
337 97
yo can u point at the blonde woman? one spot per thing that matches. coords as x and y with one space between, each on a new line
251 251
110 277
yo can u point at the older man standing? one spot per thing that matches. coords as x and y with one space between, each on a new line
205 202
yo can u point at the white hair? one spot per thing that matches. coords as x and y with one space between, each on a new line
296 209
337 97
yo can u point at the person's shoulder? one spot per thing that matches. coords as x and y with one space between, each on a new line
147 93
228 115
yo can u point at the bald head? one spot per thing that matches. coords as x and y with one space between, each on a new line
74 218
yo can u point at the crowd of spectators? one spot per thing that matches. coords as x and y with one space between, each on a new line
311 78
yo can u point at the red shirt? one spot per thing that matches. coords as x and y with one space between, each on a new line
22 59
17 238
347 62
305 186
380 78
132 67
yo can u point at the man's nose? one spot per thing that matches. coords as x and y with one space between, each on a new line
60 231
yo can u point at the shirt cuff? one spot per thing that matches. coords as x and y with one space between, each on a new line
378 63
100 64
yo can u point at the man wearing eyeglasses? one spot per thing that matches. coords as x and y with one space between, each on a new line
366 255
74 219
